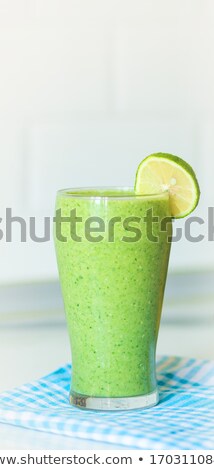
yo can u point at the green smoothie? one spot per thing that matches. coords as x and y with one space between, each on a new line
113 284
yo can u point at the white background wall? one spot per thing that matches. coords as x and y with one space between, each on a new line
87 89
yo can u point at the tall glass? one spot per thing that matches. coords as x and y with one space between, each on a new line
112 250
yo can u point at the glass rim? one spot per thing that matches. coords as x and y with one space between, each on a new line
78 192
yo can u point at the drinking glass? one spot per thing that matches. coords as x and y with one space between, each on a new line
112 251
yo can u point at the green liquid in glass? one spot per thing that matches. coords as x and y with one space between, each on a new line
113 292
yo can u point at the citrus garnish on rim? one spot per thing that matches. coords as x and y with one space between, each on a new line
162 171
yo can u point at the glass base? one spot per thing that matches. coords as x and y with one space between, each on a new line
114 404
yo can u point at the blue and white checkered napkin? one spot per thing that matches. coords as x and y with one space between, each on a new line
184 418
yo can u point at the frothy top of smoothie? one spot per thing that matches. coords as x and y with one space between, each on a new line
109 192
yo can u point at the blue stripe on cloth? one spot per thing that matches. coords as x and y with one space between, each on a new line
184 418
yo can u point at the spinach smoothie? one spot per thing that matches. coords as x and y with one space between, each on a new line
112 264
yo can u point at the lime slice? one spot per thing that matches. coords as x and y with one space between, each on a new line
162 171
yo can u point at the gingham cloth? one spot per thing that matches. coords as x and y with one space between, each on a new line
184 418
